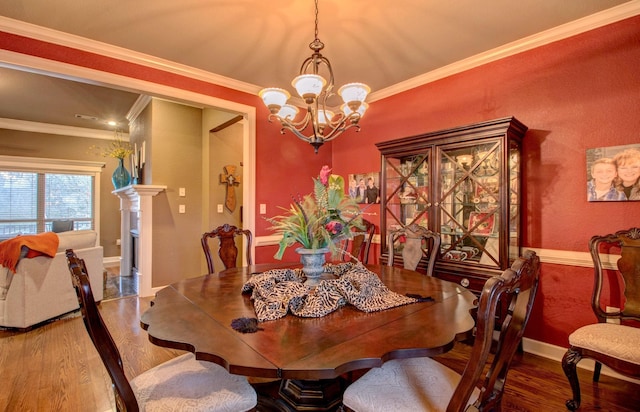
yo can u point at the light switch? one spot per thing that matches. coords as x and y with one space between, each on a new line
263 209
182 209
182 192
220 208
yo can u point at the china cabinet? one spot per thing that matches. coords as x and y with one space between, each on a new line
463 183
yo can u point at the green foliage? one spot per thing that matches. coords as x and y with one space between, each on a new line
318 220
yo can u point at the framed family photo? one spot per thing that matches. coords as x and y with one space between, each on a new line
613 173
365 187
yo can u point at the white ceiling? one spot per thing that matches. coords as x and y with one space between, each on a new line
262 43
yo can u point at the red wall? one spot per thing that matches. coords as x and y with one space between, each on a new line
574 94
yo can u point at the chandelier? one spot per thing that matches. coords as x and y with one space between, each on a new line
319 123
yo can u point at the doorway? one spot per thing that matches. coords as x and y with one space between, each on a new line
226 174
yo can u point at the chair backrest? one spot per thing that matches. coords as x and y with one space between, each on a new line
626 244
59 226
360 244
227 251
99 334
517 285
418 242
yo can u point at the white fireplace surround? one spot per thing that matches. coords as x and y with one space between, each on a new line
136 200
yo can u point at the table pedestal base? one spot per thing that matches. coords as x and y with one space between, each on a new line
300 395
322 395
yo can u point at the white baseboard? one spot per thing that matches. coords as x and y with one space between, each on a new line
110 261
556 353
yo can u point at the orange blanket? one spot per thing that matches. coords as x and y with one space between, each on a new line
41 244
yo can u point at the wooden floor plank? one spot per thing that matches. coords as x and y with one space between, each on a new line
54 367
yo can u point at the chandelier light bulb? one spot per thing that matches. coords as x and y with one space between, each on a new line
274 98
309 86
348 110
288 112
354 92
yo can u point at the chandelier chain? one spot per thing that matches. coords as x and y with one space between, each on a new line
316 21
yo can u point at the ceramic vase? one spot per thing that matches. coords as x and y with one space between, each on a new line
121 176
312 264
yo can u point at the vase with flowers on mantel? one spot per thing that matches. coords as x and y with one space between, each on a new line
120 177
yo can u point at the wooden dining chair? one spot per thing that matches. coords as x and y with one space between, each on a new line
360 245
423 384
613 340
418 243
227 249
182 383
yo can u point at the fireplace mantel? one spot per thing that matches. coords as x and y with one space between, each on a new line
136 211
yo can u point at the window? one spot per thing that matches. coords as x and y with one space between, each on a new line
31 200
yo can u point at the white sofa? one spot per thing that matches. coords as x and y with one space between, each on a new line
41 288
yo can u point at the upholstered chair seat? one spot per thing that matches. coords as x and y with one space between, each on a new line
385 389
186 384
618 341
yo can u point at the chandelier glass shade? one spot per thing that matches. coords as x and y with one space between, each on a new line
320 123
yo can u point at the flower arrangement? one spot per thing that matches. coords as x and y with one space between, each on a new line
321 219
118 148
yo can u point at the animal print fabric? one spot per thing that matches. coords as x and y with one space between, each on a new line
279 291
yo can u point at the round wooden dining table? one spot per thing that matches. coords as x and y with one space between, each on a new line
308 355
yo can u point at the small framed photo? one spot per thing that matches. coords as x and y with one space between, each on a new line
481 224
613 173
364 187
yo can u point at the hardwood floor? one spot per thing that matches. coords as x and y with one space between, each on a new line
55 368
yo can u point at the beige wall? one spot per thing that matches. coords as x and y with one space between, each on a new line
176 155
29 144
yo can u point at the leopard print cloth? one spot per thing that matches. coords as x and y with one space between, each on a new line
279 291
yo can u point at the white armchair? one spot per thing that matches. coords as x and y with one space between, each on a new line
41 288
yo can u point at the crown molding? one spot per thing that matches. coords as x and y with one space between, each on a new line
138 106
561 32
76 42
49 128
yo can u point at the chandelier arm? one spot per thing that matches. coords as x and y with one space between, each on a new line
330 82
314 62
335 132
301 125
307 139
340 118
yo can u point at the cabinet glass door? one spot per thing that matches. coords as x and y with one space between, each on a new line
469 204
514 201
407 192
